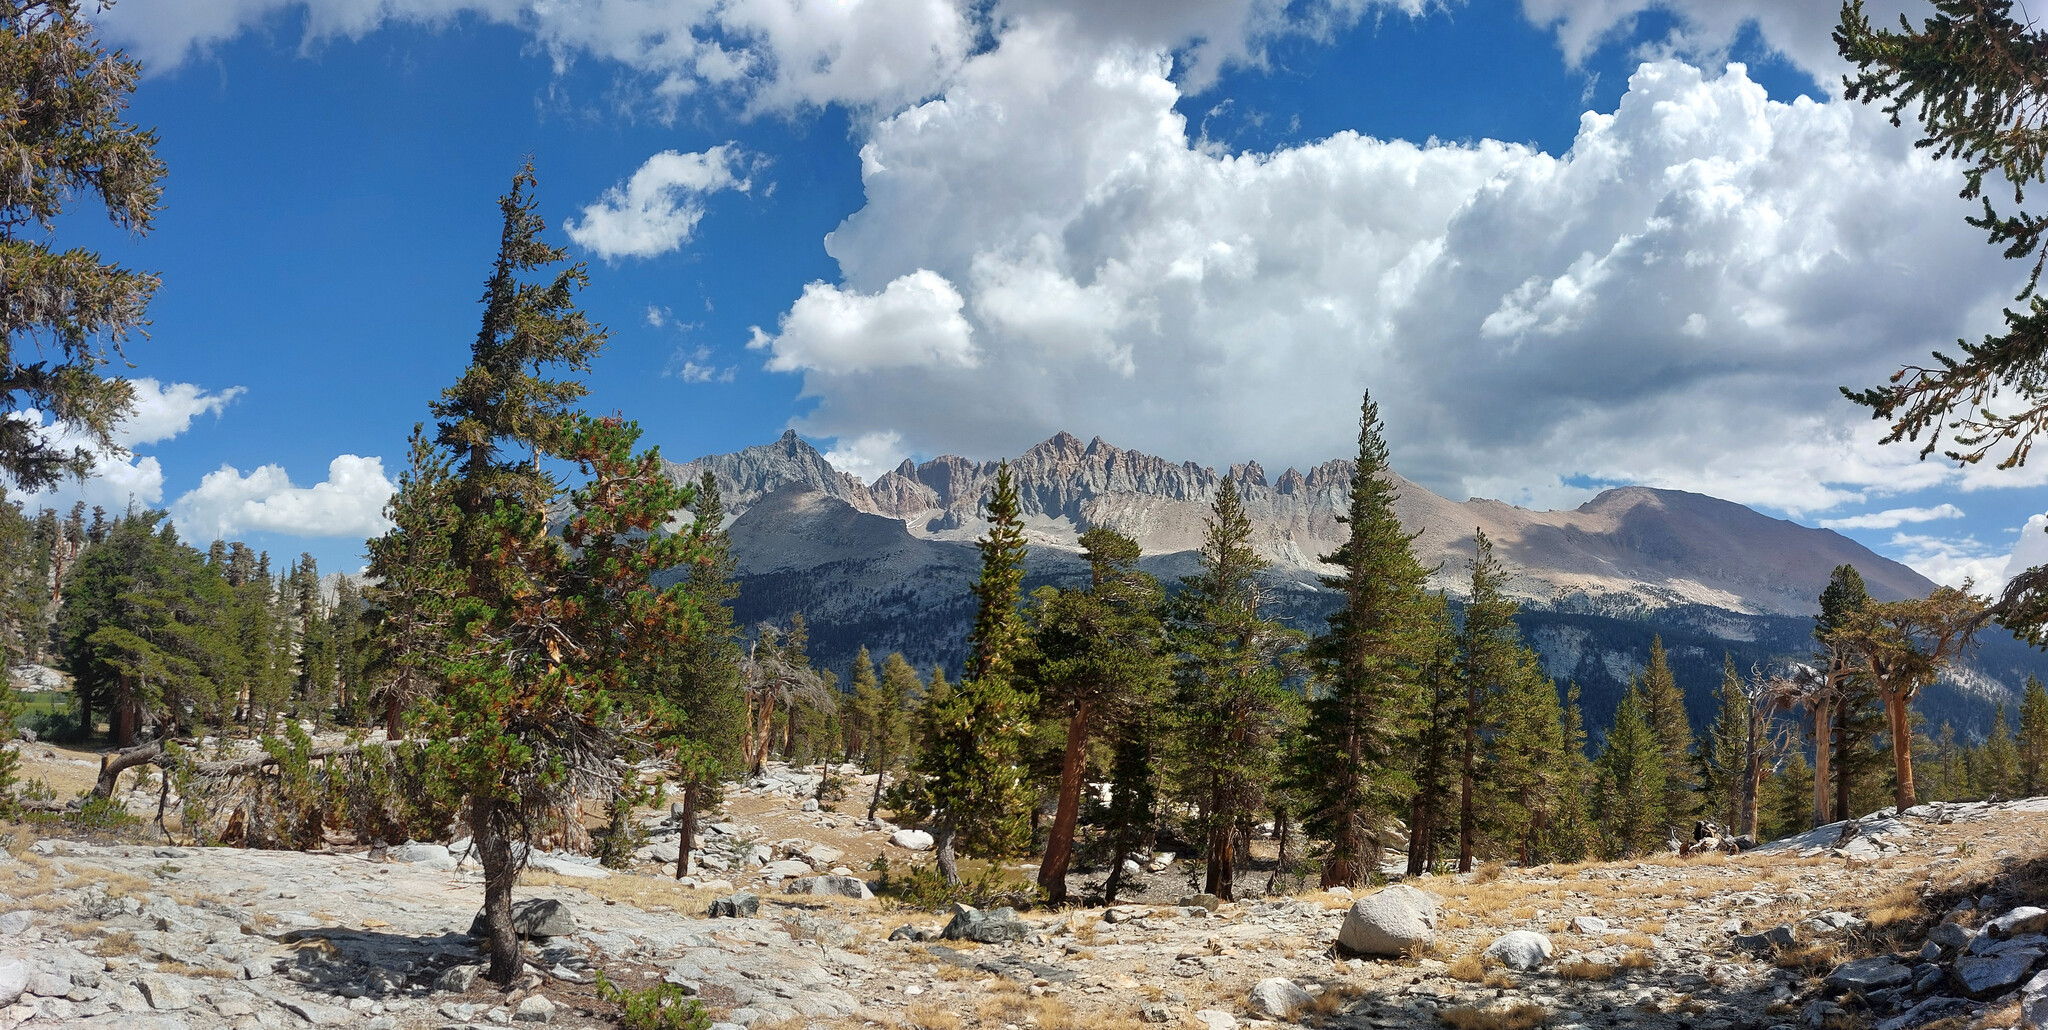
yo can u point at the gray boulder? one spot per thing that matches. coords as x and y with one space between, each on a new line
1589 925
2034 1002
1869 974
830 886
425 856
534 917
1951 936
1277 998
911 840
1775 937
1393 923
14 977
736 906
1521 949
2026 919
998 927
458 978
1985 976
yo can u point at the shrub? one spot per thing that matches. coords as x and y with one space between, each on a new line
663 1006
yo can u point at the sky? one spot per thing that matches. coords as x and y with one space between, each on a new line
1566 244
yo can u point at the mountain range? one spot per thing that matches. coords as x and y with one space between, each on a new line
886 564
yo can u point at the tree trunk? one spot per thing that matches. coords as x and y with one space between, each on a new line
113 765
1844 767
881 773
1822 739
1418 832
1752 788
1467 824
392 729
687 839
1059 845
949 864
1222 877
487 819
123 714
1283 831
1902 747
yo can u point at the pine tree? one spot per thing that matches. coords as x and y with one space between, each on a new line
545 631
1095 652
1632 781
2033 740
1950 782
1899 647
1510 746
1789 807
1231 702
1999 763
856 703
1727 750
888 720
61 100
1855 765
1438 743
965 776
1572 835
1361 716
1663 703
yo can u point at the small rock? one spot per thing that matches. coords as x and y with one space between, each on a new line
785 869
830 886
1930 951
1951 936
1277 998
809 805
1154 1012
49 985
736 906
997 927
458 978
911 840
1207 902
424 856
13 923
1775 937
535 1009
1521 949
1589 925
1215 1019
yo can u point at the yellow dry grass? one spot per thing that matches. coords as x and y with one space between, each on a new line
1812 957
120 943
1467 968
1586 969
1518 1016
1637 959
1899 904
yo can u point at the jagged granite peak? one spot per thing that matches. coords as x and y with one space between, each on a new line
1628 549
745 476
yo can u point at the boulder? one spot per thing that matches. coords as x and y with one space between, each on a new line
165 993
736 906
1589 925
1209 902
1521 949
1395 922
1986 976
2026 919
997 927
830 886
458 978
1277 998
15 922
14 977
1215 1019
785 869
425 856
822 856
911 840
2034 1003
1869 974
534 917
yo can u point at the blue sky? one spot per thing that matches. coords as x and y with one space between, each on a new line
1567 242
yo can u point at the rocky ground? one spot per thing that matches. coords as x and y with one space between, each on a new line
1917 920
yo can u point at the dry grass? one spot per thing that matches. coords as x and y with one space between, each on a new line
646 893
1900 904
181 969
121 943
1524 912
1638 959
1634 939
1518 1016
1489 872
1586 969
1654 926
1468 968
1812 957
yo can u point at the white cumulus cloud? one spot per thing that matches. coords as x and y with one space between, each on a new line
913 322
1672 301
162 411
658 209
867 457
1892 518
227 502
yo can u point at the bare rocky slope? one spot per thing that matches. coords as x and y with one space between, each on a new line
886 564
1909 920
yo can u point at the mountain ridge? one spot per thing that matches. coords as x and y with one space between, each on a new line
1628 549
